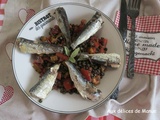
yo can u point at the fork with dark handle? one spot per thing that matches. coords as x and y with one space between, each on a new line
133 12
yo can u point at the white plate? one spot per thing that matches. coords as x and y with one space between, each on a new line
56 101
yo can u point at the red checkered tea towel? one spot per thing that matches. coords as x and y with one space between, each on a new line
147 45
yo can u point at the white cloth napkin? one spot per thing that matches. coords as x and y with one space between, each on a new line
140 93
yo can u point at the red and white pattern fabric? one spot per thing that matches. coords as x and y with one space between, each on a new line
108 117
2 4
5 94
146 24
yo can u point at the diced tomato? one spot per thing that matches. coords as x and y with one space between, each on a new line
81 26
59 75
83 21
103 41
68 85
96 44
86 74
55 30
62 56
102 50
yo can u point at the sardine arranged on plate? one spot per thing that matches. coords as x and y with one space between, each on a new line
42 88
63 23
32 47
107 59
86 89
93 25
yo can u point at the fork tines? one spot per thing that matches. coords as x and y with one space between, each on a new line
134 3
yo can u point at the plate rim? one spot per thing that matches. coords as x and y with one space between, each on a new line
63 111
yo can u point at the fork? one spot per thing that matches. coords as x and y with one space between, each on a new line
133 12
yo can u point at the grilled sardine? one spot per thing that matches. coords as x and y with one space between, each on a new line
29 46
86 89
42 88
92 26
63 23
111 59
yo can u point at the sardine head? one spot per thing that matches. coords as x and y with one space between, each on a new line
93 93
96 95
